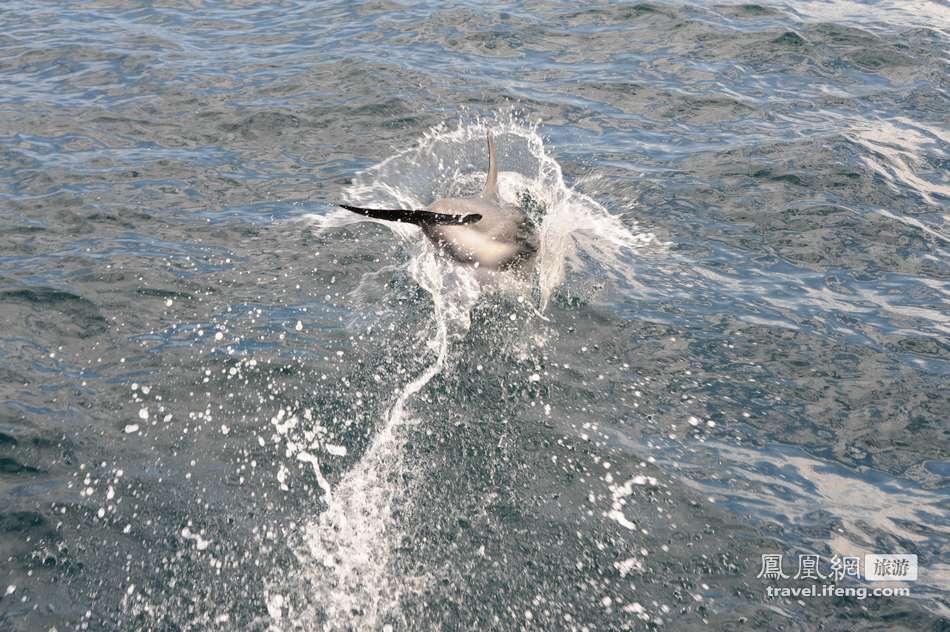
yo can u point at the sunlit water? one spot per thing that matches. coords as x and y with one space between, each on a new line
228 404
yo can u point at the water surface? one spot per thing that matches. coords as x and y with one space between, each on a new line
226 404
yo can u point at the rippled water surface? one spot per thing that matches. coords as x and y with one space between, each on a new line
226 404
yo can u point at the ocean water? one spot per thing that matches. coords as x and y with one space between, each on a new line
226 404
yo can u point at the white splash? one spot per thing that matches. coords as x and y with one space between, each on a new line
345 576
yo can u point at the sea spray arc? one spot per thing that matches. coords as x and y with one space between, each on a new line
345 575
483 231
574 230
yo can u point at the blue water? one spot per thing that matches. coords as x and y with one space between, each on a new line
227 404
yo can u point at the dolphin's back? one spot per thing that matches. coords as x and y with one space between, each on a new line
500 239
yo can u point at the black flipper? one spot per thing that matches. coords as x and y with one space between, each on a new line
412 216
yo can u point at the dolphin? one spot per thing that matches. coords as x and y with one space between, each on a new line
484 231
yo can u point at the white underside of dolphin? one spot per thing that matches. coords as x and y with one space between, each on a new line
482 231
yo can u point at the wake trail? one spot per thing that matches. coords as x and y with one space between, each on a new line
346 553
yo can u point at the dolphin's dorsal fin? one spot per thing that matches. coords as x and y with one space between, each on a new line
491 183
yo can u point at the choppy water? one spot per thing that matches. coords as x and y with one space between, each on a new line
227 405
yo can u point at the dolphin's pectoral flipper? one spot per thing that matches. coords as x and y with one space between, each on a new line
410 216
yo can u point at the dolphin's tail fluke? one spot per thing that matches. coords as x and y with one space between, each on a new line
418 218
